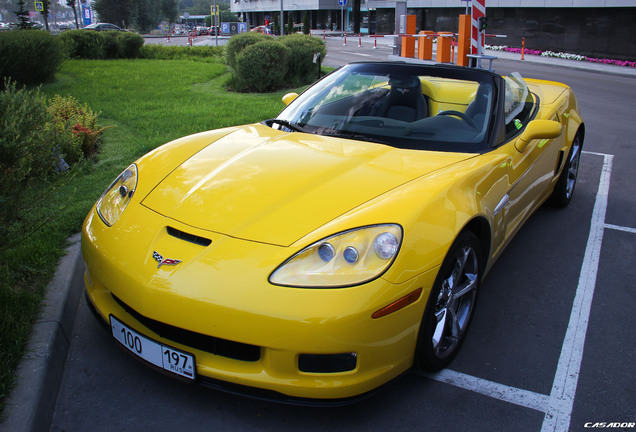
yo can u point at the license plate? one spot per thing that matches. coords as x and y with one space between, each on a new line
163 356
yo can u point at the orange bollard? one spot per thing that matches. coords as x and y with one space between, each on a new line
463 40
425 46
324 35
523 48
408 46
359 40
443 47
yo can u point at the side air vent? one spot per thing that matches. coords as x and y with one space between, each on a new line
201 241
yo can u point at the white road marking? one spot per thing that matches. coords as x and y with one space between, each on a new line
357 53
561 402
621 228
524 398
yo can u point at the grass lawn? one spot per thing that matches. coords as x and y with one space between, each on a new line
149 102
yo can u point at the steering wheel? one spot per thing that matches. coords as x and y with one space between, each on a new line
461 115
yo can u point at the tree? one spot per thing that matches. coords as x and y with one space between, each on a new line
45 13
144 15
306 24
73 4
290 23
170 10
23 16
114 11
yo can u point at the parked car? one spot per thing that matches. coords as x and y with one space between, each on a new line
317 255
202 31
103 27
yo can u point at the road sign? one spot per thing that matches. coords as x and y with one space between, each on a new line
39 6
342 2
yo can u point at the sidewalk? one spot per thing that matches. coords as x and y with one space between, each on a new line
389 41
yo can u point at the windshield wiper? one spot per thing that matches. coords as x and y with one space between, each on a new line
352 135
289 125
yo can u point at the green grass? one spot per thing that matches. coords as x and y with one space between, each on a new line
149 102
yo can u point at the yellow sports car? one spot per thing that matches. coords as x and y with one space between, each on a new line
318 255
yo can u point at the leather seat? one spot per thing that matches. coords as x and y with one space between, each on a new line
405 100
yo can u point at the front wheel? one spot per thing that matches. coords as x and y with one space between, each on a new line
450 305
564 189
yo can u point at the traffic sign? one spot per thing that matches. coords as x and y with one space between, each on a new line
39 6
342 2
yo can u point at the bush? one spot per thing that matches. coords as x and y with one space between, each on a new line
262 67
302 48
29 56
129 44
38 138
162 52
28 147
110 44
78 123
83 44
237 43
88 44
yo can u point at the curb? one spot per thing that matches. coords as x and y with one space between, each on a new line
31 404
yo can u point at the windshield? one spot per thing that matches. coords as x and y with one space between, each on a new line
518 104
402 105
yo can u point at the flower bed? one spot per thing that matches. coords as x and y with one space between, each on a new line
562 55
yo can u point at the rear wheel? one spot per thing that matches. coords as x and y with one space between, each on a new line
450 305
564 188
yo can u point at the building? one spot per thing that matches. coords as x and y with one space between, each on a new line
602 28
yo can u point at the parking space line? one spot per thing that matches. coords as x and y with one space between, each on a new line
524 398
357 53
561 401
621 228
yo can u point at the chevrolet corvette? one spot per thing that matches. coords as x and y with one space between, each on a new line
318 255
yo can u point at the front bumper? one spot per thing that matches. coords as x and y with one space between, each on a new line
277 331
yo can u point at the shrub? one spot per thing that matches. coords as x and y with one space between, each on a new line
29 56
28 146
83 44
162 52
129 44
237 43
110 45
88 44
302 49
262 67
79 125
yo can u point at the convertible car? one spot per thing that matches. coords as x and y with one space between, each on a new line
316 256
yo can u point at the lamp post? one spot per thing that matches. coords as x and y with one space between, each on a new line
282 20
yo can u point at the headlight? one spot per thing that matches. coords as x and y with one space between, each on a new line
345 259
113 202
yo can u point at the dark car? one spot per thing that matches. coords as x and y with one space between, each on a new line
103 27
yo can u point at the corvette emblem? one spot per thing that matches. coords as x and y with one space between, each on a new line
164 261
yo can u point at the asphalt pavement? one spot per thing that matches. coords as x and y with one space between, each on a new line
31 405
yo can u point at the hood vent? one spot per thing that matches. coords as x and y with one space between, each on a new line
201 241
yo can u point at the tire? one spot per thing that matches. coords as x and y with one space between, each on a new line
451 304
564 189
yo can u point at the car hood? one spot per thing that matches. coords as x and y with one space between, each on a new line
274 187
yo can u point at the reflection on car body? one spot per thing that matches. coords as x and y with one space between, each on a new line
320 254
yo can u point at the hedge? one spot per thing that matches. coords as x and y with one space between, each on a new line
29 56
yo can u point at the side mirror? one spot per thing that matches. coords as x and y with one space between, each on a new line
538 129
289 97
